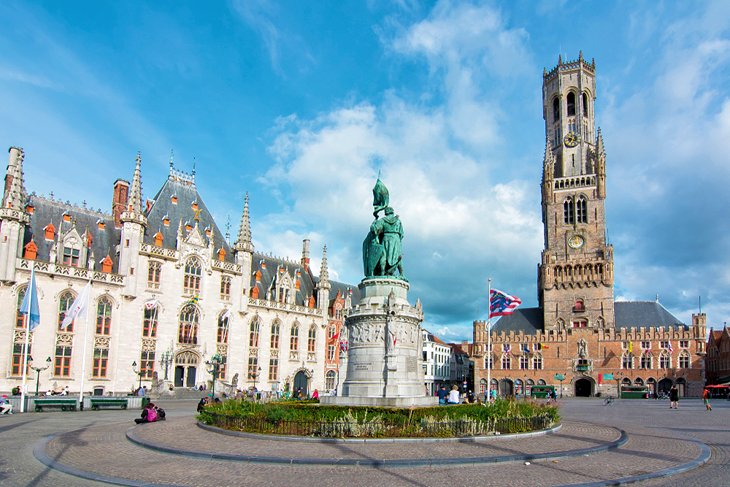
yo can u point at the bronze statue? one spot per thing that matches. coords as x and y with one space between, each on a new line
382 248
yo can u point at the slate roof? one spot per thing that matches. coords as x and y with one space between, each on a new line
103 242
643 314
163 206
639 314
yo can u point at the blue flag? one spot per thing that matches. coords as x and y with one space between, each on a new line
29 305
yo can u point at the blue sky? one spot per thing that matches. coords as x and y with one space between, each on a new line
302 103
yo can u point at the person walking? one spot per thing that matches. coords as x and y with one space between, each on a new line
674 397
706 400
5 406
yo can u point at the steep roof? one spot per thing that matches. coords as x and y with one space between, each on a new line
175 201
103 241
526 320
643 314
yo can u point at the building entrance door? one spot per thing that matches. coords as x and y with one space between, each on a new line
300 381
179 375
664 385
506 388
186 368
583 388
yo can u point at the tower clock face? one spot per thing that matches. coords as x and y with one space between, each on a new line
571 139
576 241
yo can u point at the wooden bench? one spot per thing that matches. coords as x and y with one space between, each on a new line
97 402
65 404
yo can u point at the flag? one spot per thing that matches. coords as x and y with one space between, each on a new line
151 304
344 345
79 306
669 346
526 348
501 304
227 316
506 349
30 303
631 347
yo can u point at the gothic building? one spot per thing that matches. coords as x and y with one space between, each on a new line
168 292
578 332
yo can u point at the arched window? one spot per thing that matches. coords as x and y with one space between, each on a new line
524 362
223 324
627 361
665 361
331 330
568 215
506 362
646 360
684 361
312 339
253 333
537 361
149 322
581 210
191 283
19 317
64 303
488 361
482 386
153 275
571 104
103 316
585 104
275 332
556 109
329 381
225 287
639 381
294 338
188 328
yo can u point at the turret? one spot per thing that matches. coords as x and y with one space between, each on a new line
13 217
323 285
134 222
244 249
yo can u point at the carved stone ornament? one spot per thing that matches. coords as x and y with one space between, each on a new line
101 341
582 348
64 339
19 337
149 344
222 348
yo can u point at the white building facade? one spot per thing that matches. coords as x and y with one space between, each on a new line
167 294
436 362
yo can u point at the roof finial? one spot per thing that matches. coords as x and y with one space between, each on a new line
244 230
172 157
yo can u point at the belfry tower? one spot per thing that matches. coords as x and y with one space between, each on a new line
575 277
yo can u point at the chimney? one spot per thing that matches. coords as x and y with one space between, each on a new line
305 254
119 200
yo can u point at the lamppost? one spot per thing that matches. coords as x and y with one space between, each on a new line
166 360
215 366
38 372
139 373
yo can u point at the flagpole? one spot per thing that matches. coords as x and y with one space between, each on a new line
83 356
489 340
27 339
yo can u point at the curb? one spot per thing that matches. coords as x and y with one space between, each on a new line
410 462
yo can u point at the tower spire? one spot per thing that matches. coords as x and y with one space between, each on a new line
324 270
15 195
243 242
135 192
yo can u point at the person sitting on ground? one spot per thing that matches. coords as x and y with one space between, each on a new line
149 414
201 404
454 396
5 406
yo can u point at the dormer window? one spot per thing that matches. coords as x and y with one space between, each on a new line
106 264
158 239
71 256
221 254
66 217
166 220
173 199
100 224
50 232
30 209
30 251
194 206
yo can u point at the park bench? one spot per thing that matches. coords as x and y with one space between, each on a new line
65 404
97 402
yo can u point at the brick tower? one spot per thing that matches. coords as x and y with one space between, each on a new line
575 276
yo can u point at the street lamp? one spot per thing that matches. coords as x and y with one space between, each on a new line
215 365
139 373
38 372
166 360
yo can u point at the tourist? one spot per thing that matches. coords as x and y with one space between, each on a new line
315 394
674 397
470 396
149 414
65 391
706 400
494 395
454 396
5 406
443 394
201 404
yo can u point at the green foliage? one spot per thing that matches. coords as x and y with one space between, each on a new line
312 418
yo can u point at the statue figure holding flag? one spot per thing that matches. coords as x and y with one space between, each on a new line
382 249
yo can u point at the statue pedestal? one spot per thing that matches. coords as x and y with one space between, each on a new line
384 363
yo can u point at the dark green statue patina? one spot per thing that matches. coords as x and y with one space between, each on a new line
382 251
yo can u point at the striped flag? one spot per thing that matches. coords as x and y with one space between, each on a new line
501 304
30 303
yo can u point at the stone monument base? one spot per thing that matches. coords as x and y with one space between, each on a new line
385 402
